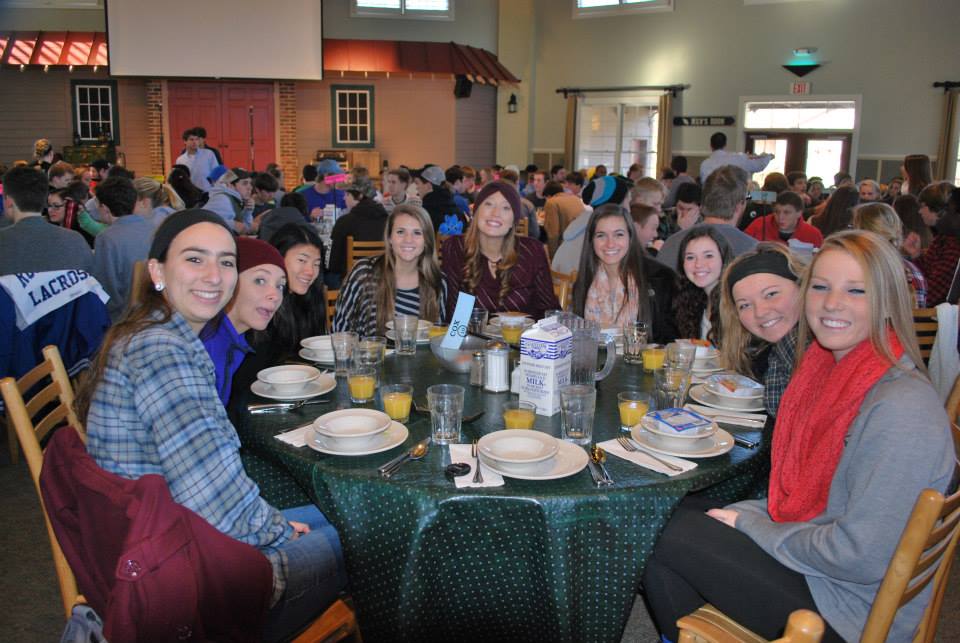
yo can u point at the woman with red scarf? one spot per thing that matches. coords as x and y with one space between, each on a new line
860 432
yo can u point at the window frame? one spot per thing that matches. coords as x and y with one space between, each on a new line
653 6
334 116
75 85
401 13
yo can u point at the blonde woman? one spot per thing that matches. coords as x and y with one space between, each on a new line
883 220
155 200
860 432
760 308
405 279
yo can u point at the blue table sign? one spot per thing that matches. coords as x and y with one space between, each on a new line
460 322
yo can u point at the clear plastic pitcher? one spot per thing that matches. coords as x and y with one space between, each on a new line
586 345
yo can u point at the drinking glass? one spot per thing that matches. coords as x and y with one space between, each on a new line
653 357
671 386
519 415
634 341
633 405
512 327
478 321
370 351
446 412
343 345
362 382
397 399
680 355
405 328
578 404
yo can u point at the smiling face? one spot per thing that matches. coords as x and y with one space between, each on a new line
611 240
768 305
199 273
303 267
259 293
836 303
494 217
702 262
406 238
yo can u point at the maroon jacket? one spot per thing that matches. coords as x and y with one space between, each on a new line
152 569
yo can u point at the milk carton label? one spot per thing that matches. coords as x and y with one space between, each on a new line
545 353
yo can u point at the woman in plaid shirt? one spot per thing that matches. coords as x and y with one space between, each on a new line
150 406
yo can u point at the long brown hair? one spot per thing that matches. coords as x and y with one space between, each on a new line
384 269
691 300
918 171
474 263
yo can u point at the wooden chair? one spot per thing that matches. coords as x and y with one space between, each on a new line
563 287
925 325
358 249
331 307
336 624
709 625
521 227
58 394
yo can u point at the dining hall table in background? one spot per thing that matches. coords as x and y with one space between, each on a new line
553 560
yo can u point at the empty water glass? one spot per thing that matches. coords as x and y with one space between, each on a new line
478 321
405 329
343 345
671 386
446 412
634 341
578 403
681 355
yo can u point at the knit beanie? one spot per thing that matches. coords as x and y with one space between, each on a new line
176 223
253 252
605 189
509 193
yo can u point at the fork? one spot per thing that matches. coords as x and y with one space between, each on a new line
628 445
286 406
477 477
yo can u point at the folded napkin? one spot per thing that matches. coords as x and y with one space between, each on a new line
639 457
461 453
297 437
738 418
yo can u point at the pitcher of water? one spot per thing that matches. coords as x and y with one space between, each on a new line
586 345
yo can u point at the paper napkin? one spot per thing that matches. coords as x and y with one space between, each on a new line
638 457
737 418
296 437
461 453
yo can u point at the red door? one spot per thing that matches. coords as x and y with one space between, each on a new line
232 113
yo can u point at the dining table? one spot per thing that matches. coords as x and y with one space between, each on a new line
532 560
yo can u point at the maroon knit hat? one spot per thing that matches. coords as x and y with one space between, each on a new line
254 252
509 192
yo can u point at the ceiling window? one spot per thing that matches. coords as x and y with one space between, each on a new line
590 8
416 9
352 115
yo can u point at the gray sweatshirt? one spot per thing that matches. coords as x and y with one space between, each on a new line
898 445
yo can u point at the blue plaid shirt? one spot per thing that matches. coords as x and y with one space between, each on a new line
157 411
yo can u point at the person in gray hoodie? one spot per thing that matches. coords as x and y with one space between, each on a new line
230 198
605 189
859 434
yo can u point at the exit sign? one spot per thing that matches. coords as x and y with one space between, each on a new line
800 88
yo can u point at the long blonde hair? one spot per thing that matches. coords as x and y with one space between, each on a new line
385 277
887 293
739 345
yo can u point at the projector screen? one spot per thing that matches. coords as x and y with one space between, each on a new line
247 39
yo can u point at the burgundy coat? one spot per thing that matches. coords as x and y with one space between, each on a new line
152 569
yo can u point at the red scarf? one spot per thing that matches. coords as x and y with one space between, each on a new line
820 403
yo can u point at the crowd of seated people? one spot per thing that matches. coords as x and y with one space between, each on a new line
238 270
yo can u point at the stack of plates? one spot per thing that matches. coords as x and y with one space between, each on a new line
707 361
530 455
356 432
729 392
317 349
703 443
292 382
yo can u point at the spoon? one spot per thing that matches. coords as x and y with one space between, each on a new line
599 456
416 453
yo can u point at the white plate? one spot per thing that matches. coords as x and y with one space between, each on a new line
706 367
352 424
310 357
513 447
392 336
323 384
392 437
717 444
700 394
650 425
570 459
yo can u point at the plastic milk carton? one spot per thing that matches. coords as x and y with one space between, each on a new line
546 349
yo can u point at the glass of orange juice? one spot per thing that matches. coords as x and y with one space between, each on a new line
512 327
397 399
362 382
519 415
437 330
633 406
653 357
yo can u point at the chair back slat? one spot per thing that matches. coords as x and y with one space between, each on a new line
30 379
331 307
925 326
43 397
358 249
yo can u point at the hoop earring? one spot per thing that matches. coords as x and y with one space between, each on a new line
158 286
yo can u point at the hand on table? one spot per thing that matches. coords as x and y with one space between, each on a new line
726 516
299 528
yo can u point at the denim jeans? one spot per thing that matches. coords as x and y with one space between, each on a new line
315 575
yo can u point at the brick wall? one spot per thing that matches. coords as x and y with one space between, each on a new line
155 127
287 154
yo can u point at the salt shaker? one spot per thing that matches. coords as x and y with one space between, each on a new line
476 369
496 367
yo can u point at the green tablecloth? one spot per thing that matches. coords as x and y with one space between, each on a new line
558 560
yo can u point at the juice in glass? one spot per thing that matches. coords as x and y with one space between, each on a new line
519 415
512 328
633 406
437 330
397 400
653 359
362 383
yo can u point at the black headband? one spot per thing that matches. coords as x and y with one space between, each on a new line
177 223
771 262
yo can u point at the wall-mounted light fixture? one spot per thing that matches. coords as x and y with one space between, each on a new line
46 68
512 104
802 62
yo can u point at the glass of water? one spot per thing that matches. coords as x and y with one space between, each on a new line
634 341
671 386
578 403
405 329
446 412
343 346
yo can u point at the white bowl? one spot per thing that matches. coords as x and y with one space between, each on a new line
746 388
651 426
517 449
352 427
288 379
318 344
